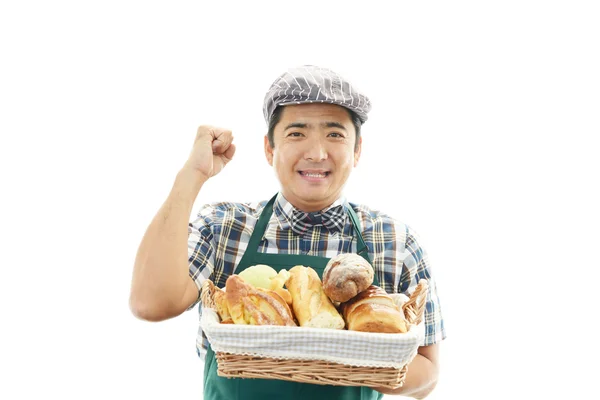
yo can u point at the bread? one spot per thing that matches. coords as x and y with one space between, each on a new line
253 306
345 276
221 306
277 283
311 306
285 295
280 295
265 277
258 275
373 310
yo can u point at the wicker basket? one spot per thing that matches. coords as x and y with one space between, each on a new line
315 371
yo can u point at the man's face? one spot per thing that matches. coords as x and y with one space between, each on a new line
314 153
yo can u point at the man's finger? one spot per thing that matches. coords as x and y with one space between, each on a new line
222 142
228 155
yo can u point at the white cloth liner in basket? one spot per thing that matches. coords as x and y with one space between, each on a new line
362 349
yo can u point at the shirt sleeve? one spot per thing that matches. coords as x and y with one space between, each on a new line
201 248
416 267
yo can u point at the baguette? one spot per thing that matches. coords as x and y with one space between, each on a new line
311 305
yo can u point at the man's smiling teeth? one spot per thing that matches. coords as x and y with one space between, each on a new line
314 174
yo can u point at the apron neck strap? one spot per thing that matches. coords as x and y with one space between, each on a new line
361 246
261 226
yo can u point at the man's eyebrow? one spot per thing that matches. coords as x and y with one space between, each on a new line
334 125
325 124
296 125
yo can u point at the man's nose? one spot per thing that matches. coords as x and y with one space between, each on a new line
316 151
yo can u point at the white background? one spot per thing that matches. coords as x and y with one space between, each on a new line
483 137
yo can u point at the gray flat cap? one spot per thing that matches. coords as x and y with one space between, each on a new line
311 84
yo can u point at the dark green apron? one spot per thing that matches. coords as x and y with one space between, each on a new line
220 388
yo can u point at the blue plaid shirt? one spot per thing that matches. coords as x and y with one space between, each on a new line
220 234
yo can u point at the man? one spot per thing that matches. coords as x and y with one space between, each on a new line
313 143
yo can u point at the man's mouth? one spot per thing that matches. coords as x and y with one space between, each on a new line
314 174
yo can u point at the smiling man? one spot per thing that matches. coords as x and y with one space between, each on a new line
314 119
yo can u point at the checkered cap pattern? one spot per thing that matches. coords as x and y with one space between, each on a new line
312 84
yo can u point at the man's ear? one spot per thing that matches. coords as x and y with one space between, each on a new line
357 151
268 151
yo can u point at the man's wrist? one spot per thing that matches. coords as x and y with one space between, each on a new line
191 177
188 183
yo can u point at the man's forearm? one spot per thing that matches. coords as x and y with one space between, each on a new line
420 379
160 274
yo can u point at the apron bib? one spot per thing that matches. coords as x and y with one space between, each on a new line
220 388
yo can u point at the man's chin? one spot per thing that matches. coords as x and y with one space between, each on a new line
318 200
312 196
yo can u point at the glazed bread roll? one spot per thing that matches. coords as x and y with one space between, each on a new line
345 276
311 306
253 306
373 310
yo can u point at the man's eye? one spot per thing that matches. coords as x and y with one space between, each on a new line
336 134
295 134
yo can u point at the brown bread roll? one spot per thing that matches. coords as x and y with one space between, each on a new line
311 306
251 306
373 310
345 276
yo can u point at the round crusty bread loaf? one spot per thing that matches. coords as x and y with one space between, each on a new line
345 276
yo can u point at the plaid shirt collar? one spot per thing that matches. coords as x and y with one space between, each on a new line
333 217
